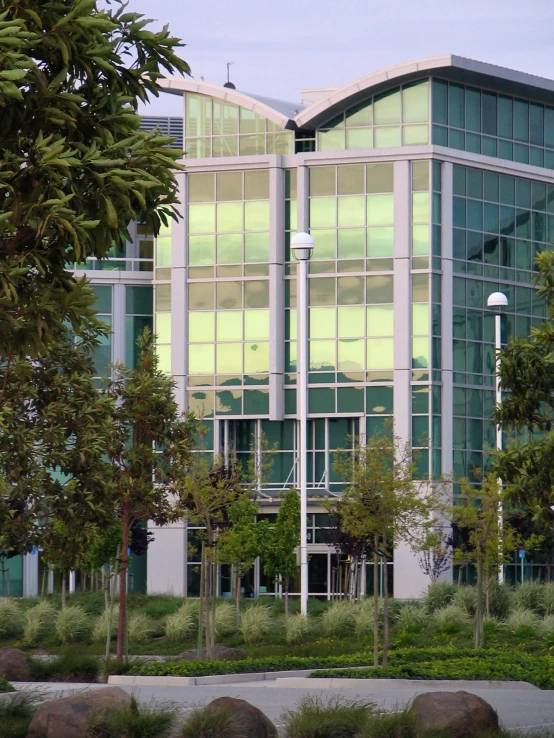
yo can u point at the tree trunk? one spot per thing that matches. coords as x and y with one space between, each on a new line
479 606
207 626
64 589
287 579
112 602
123 590
237 594
385 604
201 601
214 600
44 577
376 603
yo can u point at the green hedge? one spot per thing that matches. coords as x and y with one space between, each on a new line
538 670
5 686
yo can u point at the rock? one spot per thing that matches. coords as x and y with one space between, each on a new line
249 722
69 716
15 665
221 653
459 714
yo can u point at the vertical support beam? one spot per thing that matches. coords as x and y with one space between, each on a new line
72 582
30 574
302 409
447 346
179 322
118 322
277 292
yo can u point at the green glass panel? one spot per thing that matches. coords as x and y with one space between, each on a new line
256 247
201 187
229 186
229 358
323 322
201 358
256 216
456 106
475 215
420 207
380 353
163 297
380 241
291 215
420 430
201 250
351 322
322 291
351 211
380 210
350 400
202 218
225 146
256 358
379 400
440 101
229 216
256 294
380 320
256 324
360 116
350 290
521 120
322 355
229 402
413 135
163 252
386 108
164 358
415 103
473 110
201 326
379 289
440 136
331 140
321 400
229 248
103 295
351 241
229 325
256 402
420 353
379 178
229 295
386 137
163 327
351 354
138 300
420 319
505 117
420 400
323 212
359 138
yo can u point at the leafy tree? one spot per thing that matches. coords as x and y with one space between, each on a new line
148 435
381 505
281 542
65 548
527 411
435 552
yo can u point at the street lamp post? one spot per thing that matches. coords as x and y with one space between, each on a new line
498 302
302 244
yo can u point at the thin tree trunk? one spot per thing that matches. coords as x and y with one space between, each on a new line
287 580
375 603
460 576
237 594
385 604
214 601
112 602
64 589
123 590
207 625
479 606
201 601
44 576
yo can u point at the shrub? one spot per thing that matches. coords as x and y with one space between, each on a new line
38 621
527 596
334 718
69 667
450 619
16 715
412 617
546 601
439 595
133 722
5 686
72 624
215 723
11 618
501 600
140 627
182 623
100 629
546 626
339 618
255 623
363 617
466 598
523 622
225 619
297 627
392 725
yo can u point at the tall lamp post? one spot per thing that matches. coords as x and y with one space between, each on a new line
498 302
302 245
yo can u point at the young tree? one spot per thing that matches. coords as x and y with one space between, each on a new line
65 549
381 505
435 552
281 541
148 435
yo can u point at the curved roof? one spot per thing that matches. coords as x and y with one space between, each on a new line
452 67
278 111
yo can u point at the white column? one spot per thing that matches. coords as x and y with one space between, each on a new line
302 411
30 574
166 560
71 582
498 392
118 322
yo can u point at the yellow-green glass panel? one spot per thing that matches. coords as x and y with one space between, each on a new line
293 214
351 323
359 138
325 244
163 327
251 145
229 325
387 137
256 215
198 148
323 212
229 295
322 290
350 290
351 243
163 252
380 320
163 297
420 353
226 118
229 216
256 247
201 187
380 209
225 146
251 122
331 140
380 241
229 248
351 180
380 289
164 358
202 218
201 358
323 181
201 403
228 358
380 353
323 322
280 143
351 354
386 108
351 211
415 103
256 358
256 325
360 116
201 326
420 240
229 186
201 250
413 135
256 185
198 115
420 207
420 319
256 293
322 355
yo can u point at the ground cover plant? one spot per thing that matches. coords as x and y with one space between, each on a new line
16 715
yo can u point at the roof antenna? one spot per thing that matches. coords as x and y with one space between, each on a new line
229 84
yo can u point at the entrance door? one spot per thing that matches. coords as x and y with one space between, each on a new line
318 574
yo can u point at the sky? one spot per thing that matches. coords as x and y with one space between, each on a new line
282 46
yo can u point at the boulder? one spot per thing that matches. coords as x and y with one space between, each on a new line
248 721
458 714
69 716
221 653
15 665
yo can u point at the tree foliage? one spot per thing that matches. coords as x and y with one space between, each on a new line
281 540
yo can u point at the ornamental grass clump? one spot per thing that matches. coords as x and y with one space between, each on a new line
546 627
334 718
523 622
546 600
297 627
412 618
466 599
11 618
100 628
140 627
500 599
217 722
72 624
528 596
181 624
137 721
255 623
38 621
339 618
439 595
225 619
450 619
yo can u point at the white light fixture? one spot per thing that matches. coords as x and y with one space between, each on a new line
302 244
497 300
